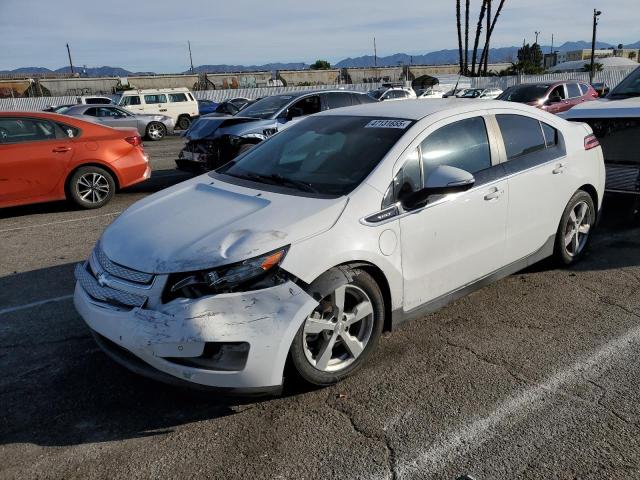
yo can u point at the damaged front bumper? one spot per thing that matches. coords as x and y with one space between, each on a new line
236 341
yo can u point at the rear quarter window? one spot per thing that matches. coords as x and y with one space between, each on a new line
178 97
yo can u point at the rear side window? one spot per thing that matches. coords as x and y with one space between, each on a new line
338 100
584 88
69 131
550 135
462 144
92 112
573 90
153 99
521 135
177 97
130 100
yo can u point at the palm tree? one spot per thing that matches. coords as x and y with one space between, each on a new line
474 57
486 57
485 52
459 24
466 37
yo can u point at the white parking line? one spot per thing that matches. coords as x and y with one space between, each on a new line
34 304
457 443
61 221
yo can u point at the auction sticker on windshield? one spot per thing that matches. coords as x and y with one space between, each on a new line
401 124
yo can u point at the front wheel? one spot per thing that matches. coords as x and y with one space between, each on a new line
341 332
575 228
184 122
156 131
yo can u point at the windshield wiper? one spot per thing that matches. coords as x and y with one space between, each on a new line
275 179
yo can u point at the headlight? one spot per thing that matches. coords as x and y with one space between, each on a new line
255 273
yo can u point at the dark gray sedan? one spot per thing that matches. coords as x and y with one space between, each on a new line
152 127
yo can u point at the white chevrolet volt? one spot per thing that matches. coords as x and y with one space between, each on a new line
305 249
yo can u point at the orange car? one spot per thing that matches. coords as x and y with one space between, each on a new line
46 156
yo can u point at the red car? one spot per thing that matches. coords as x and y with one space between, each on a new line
553 97
46 156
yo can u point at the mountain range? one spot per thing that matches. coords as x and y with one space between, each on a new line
440 57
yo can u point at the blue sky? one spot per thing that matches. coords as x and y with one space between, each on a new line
152 36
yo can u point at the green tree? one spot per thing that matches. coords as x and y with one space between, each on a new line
529 61
320 65
597 67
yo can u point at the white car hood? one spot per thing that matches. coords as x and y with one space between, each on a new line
605 108
204 222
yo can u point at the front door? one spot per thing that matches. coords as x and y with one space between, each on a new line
456 239
34 154
557 100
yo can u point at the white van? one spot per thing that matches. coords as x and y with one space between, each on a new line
177 103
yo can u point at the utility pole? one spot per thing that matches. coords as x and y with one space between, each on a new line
596 14
70 62
537 34
190 58
551 43
375 53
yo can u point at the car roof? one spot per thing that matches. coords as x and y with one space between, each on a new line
419 109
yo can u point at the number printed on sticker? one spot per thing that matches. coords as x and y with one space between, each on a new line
401 124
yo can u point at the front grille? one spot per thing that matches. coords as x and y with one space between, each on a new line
105 293
623 178
120 271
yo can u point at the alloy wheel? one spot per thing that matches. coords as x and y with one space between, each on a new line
339 329
93 187
577 228
155 131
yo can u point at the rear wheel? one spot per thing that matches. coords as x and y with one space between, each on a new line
341 332
574 232
184 122
91 187
156 131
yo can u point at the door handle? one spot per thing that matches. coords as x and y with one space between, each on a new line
61 149
494 194
560 168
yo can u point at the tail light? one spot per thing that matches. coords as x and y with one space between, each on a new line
136 140
590 141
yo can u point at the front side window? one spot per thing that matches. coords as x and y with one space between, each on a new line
521 135
319 157
306 106
573 90
557 94
177 97
129 100
22 130
155 99
463 144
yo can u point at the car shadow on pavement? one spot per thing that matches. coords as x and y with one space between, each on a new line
159 180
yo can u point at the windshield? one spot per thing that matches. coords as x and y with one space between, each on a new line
629 87
267 107
524 93
322 155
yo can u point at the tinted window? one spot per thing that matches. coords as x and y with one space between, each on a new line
573 90
18 130
462 144
69 131
93 112
307 105
177 97
130 100
524 93
550 134
337 100
584 88
521 135
557 94
96 101
153 99
628 87
330 158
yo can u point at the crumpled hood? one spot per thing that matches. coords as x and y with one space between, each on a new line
204 222
212 127
605 108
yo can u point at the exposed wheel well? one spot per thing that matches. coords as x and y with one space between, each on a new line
382 282
99 165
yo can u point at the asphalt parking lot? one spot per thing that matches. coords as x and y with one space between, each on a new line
534 377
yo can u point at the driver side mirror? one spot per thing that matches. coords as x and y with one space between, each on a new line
293 112
442 181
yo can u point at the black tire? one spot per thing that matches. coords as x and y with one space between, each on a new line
184 122
322 289
155 131
91 187
569 246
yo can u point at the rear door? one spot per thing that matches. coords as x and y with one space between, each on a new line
34 154
178 105
113 117
156 104
574 95
557 100
538 191
333 100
